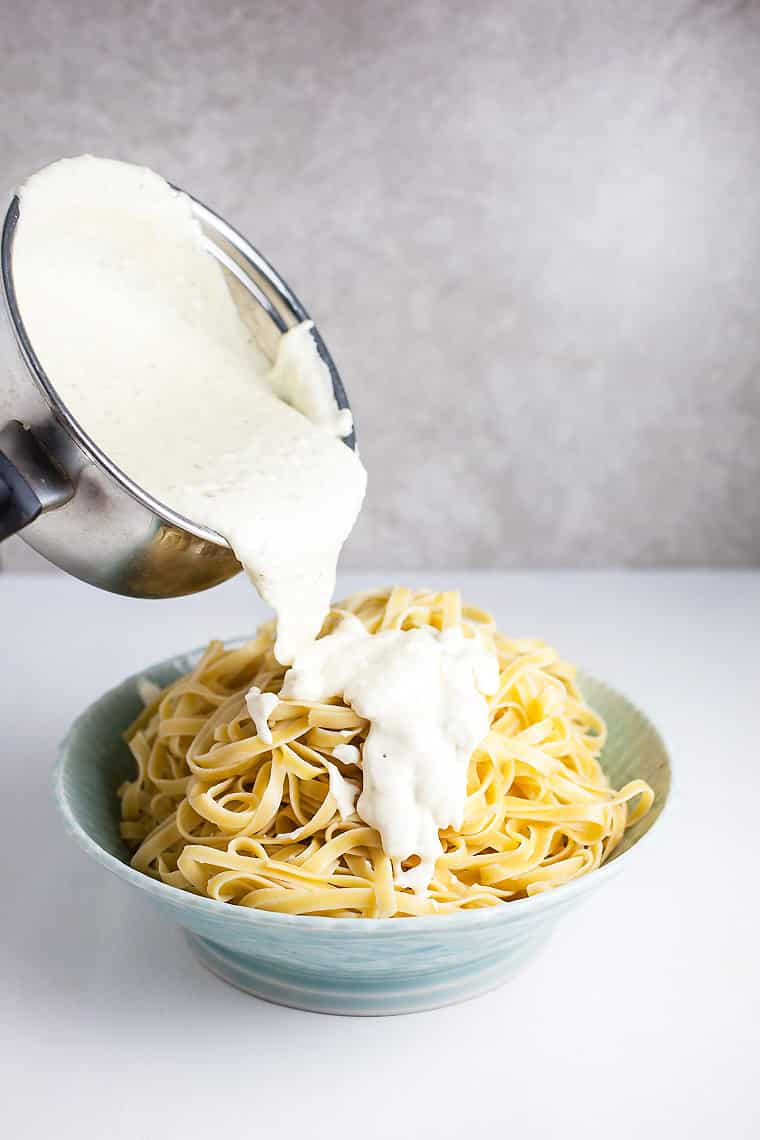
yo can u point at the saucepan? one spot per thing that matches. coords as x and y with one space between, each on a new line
67 498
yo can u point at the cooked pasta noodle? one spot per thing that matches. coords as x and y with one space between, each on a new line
217 810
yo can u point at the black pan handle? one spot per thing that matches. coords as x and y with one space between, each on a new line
30 482
19 505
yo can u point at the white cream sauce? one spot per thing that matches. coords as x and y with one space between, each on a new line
261 706
344 791
347 754
302 379
132 320
424 694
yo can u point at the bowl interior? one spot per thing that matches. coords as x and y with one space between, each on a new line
94 759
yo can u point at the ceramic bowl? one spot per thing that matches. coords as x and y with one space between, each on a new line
338 965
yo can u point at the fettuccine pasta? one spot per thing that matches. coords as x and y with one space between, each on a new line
216 810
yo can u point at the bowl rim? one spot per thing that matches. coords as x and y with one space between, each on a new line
509 910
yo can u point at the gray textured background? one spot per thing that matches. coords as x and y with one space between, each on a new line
530 233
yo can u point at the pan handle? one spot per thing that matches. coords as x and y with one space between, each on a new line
30 482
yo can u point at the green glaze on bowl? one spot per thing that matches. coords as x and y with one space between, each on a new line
339 965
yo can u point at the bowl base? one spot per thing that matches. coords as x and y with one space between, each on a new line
360 995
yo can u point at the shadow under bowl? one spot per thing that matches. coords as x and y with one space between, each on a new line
340 965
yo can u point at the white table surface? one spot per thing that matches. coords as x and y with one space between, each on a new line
640 1018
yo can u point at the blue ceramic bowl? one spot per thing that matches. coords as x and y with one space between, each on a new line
339 965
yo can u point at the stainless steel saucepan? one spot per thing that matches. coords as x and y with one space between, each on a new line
67 498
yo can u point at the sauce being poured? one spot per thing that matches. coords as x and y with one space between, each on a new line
133 321
424 694
134 324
